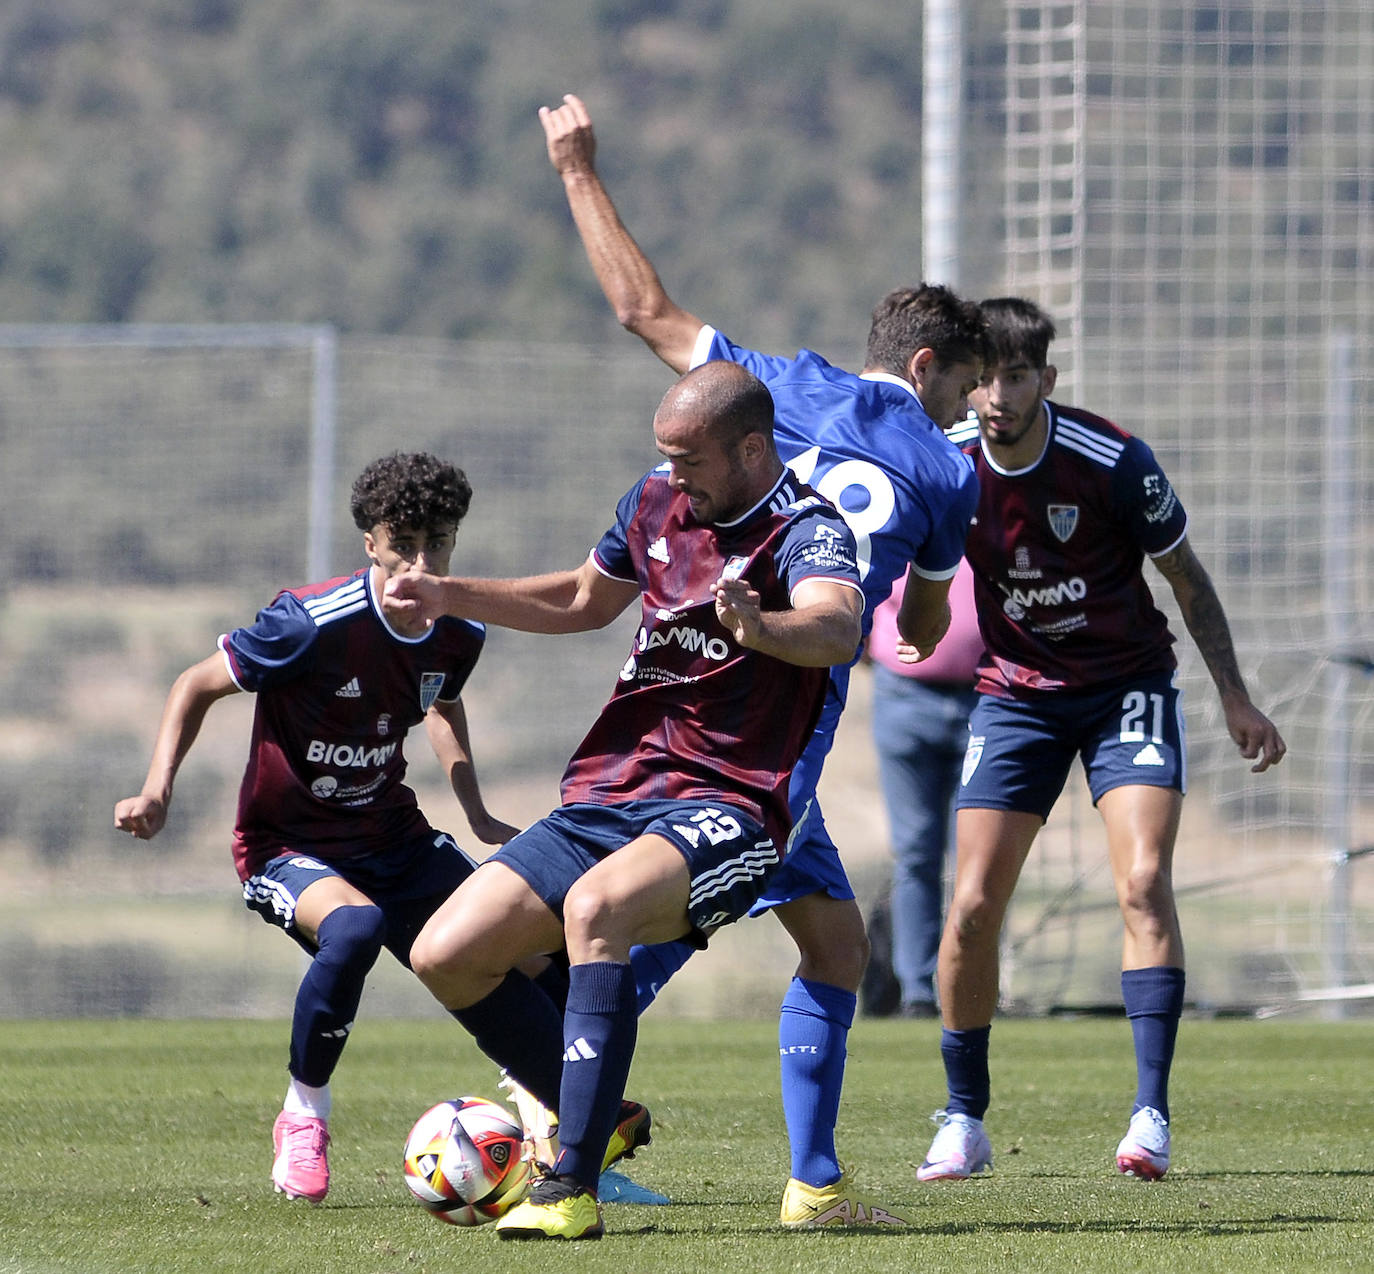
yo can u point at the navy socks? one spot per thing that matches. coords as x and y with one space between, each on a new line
349 942
1154 1004
600 1027
965 1055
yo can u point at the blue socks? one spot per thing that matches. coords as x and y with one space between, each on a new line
349 942
654 965
965 1055
520 1028
1154 1004
813 1030
600 1027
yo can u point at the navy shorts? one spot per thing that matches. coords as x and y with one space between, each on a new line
1020 750
728 854
409 884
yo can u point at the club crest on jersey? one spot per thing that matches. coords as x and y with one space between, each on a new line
430 685
1063 520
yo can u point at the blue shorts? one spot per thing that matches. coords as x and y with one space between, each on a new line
409 884
1020 750
812 865
728 854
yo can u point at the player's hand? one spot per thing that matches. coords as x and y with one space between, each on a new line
491 831
737 607
1254 734
909 654
412 600
141 816
568 135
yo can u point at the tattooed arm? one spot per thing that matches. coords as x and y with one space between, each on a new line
1253 732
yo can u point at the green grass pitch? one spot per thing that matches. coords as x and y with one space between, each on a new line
145 1146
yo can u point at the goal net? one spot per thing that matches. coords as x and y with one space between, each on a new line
1188 189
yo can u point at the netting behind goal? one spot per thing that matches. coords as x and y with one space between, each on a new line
1189 189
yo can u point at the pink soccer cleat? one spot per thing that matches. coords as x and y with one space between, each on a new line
301 1168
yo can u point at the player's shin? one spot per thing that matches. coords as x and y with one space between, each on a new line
813 1033
599 1030
521 1030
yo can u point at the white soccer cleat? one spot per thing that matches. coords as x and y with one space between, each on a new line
960 1149
1144 1150
540 1124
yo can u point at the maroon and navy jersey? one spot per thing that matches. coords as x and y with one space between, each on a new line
1057 551
338 688
694 714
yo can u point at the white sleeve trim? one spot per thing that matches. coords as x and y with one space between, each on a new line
1183 535
702 346
936 576
229 663
601 570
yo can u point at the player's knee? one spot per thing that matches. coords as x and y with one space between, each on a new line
1147 896
350 938
838 958
973 921
589 915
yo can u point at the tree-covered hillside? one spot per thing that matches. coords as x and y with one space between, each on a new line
379 165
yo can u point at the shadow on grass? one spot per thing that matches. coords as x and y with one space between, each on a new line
1277 1224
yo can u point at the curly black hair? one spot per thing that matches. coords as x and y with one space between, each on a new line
410 489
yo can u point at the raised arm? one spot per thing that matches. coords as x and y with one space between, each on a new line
566 602
1253 732
446 724
187 703
627 277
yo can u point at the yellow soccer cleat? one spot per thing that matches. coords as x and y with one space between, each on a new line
630 1133
808 1207
555 1208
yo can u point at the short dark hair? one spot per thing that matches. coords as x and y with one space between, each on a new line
410 489
739 402
1017 329
928 316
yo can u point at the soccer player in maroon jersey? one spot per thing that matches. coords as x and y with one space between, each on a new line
1079 662
329 842
675 806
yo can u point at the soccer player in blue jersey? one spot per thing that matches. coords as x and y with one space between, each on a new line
675 809
1079 663
329 842
873 444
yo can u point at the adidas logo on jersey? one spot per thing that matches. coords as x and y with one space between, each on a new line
1148 755
579 1051
658 550
350 690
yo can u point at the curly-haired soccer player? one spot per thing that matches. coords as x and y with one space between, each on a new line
329 842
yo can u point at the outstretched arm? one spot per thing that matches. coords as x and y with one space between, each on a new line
627 277
1253 732
565 602
447 727
187 703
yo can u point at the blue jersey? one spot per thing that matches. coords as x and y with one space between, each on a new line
695 715
867 445
1057 553
338 688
